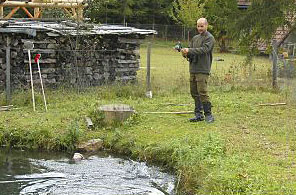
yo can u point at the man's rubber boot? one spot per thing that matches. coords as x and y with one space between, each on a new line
208 112
198 112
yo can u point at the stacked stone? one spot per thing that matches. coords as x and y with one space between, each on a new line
84 60
16 59
128 60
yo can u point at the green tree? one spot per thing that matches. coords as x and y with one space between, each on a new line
125 8
106 11
261 20
186 12
220 14
97 10
131 11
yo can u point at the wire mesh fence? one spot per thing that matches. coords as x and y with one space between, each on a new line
95 66
286 68
168 32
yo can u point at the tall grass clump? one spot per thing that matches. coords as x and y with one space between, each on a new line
70 137
196 153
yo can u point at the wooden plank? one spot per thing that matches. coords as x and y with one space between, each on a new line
6 108
41 51
36 12
273 104
128 61
8 87
130 41
27 12
44 61
126 69
48 5
128 51
68 12
181 112
37 42
11 13
79 11
64 1
173 104
1 11
89 122
74 14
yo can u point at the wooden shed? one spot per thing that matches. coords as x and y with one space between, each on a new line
71 53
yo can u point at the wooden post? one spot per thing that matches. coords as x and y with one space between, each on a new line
274 64
153 28
11 13
1 11
27 12
184 33
188 36
79 13
166 33
148 78
31 76
8 87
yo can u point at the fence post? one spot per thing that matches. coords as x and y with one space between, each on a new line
274 64
148 78
153 28
8 87
166 33
184 33
188 36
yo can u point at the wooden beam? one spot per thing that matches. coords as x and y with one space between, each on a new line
12 12
74 14
40 12
80 13
89 122
68 12
34 4
273 104
1 11
8 66
27 12
6 108
182 112
64 1
36 12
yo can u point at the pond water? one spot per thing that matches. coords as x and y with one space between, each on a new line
23 172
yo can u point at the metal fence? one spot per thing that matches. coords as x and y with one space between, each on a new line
284 72
168 32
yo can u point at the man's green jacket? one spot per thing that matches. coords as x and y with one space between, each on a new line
200 53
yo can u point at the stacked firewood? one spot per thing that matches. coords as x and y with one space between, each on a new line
84 60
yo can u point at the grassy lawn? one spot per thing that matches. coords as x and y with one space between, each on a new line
250 149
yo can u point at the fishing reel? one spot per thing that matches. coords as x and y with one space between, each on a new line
178 46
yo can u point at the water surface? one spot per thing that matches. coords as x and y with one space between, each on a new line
23 172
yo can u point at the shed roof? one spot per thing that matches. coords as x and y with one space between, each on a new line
31 27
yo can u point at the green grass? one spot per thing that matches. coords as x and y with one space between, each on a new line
250 149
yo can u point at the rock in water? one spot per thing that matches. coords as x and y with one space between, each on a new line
78 156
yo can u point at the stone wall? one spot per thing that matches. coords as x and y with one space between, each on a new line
84 60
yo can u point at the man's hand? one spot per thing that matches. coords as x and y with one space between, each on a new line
184 52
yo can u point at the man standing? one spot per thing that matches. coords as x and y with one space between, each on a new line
200 56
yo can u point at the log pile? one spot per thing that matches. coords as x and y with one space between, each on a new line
84 60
